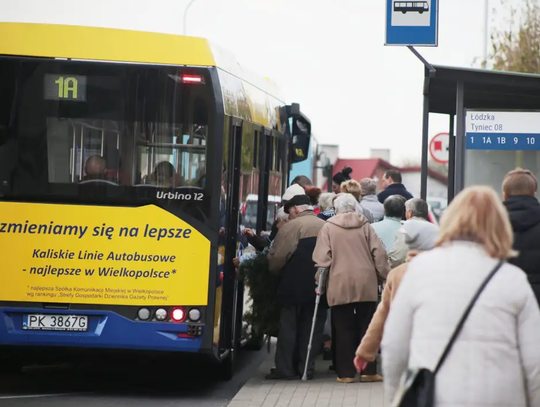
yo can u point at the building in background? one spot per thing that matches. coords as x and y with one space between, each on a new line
364 168
376 167
437 183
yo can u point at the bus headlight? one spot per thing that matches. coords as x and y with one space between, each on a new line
194 314
144 314
161 314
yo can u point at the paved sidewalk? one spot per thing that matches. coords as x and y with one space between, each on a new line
322 391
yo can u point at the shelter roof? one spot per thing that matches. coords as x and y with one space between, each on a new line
484 89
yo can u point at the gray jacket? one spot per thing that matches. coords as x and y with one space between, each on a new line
366 212
416 233
372 203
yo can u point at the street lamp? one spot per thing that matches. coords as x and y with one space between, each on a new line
185 15
326 166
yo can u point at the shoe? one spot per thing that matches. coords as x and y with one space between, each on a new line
277 376
371 378
345 379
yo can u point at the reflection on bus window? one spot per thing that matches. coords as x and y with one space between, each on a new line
411 6
88 151
170 158
83 151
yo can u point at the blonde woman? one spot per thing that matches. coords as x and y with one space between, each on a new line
495 360
353 187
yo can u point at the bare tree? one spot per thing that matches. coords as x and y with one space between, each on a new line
517 47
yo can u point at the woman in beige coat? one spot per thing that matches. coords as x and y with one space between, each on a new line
357 260
369 347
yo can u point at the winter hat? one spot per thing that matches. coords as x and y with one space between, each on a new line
420 234
292 191
342 176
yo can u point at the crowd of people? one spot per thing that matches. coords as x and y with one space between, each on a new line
398 285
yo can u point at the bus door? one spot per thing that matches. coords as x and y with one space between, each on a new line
230 330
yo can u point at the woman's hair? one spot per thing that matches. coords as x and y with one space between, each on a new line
326 201
281 215
477 214
352 187
336 197
342 176
313 193
345 203
368 186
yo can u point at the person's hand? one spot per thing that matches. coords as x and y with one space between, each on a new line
236 262
222 231
360 364
248 232
264 233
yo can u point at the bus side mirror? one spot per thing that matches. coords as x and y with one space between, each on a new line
301 134
294 110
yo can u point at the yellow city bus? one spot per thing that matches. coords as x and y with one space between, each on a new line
125 157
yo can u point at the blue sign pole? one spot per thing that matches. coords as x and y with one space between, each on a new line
412 23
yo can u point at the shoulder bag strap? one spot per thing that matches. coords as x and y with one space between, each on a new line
465 316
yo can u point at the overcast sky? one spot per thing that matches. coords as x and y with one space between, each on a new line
327 55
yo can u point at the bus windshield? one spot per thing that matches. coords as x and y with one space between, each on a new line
86 131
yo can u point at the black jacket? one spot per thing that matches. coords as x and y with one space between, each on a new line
524 214
394 189
291 257
259 242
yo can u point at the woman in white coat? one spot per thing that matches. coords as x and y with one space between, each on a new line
495 360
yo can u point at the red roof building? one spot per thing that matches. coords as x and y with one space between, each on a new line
376 167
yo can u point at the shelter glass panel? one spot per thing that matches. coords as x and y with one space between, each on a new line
488 167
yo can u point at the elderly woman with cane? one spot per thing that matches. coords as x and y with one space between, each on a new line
357 260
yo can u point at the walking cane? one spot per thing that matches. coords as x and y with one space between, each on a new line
320 291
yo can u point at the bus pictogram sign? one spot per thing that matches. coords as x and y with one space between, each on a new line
439 147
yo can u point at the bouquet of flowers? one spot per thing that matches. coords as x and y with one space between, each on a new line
263 318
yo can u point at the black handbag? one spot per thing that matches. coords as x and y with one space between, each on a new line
417 388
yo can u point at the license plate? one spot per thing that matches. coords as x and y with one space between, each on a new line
55 322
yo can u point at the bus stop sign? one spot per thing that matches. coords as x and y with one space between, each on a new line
438 148
412 23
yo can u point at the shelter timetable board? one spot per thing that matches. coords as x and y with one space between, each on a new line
502 130
504 141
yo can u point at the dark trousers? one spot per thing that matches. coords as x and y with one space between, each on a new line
294 330
351 322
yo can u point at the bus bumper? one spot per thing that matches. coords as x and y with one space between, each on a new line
106 330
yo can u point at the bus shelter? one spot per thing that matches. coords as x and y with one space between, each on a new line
493 120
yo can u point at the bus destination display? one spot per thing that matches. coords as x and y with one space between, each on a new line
502 130
66 87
